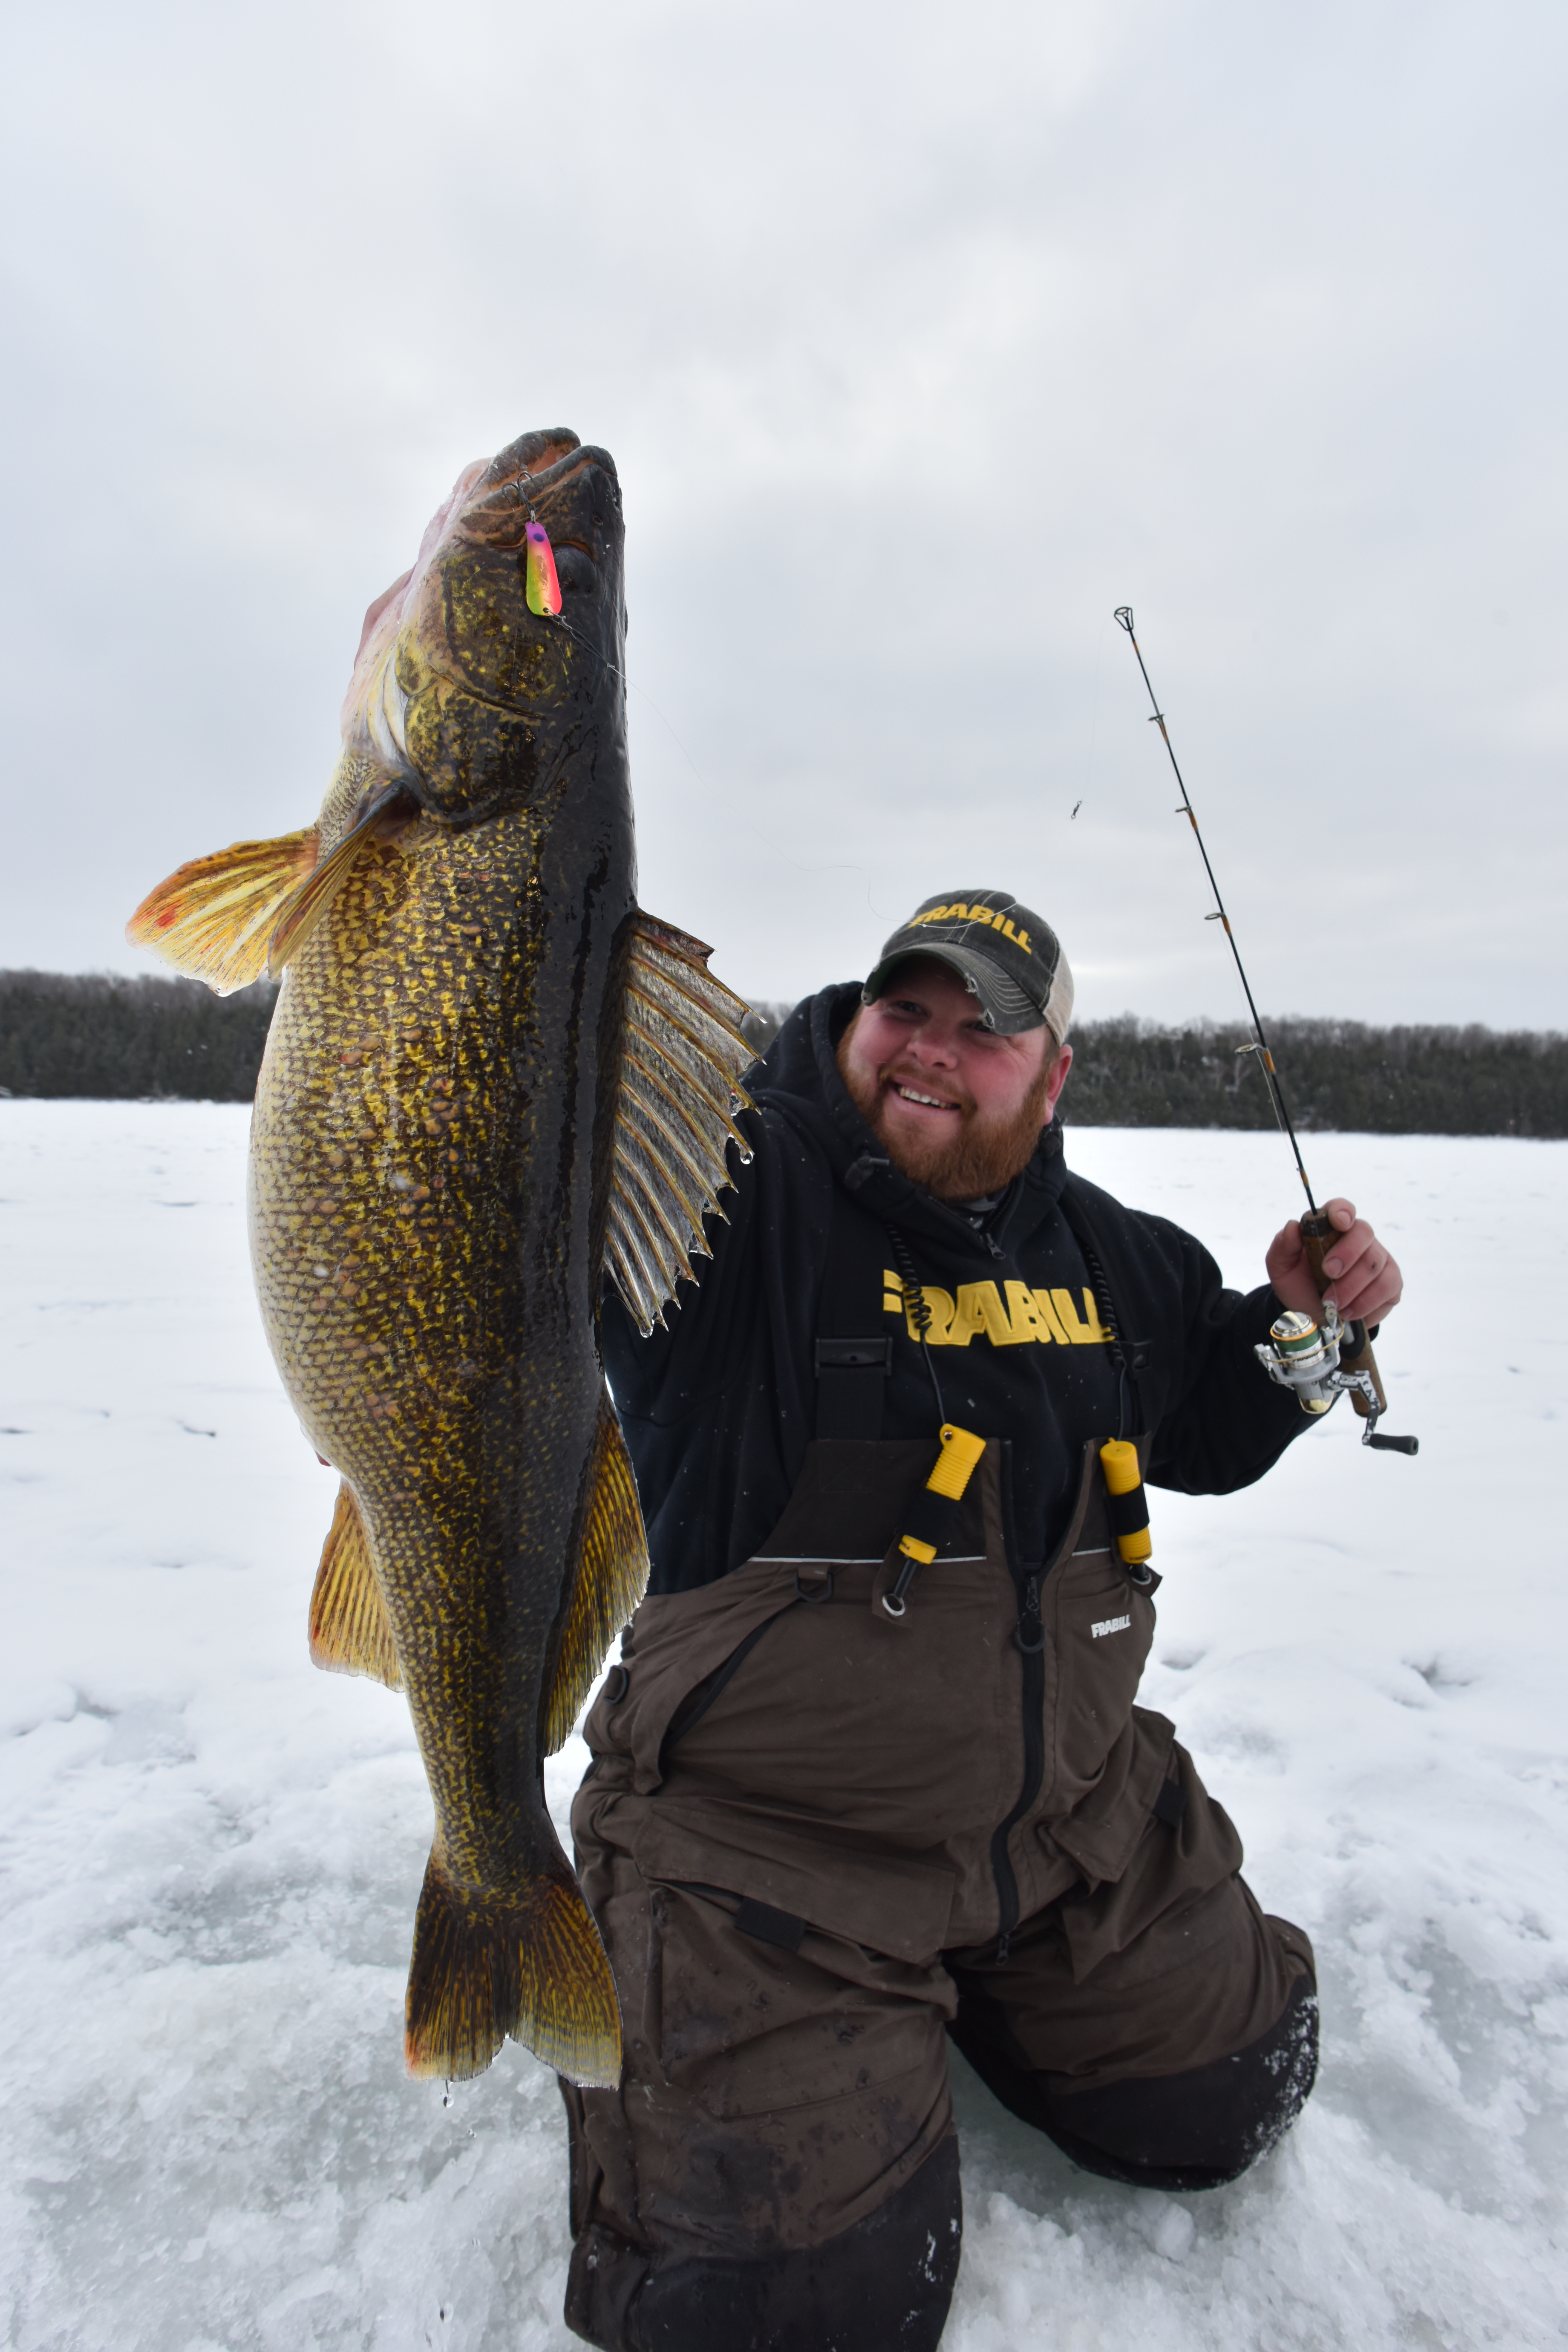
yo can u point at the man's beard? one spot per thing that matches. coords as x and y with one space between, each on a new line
980 1157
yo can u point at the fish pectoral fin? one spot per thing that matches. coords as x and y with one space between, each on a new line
350 1632
681 1061
213 919
301 915
533 1967
609 1580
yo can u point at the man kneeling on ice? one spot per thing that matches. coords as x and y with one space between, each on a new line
871 1776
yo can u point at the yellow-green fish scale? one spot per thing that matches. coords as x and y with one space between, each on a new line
403 1271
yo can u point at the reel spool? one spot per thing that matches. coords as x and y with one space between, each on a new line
1325 1360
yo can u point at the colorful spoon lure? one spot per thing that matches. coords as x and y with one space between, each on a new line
544 589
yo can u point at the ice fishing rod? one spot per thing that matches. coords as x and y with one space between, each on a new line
1319 1362
1261 1045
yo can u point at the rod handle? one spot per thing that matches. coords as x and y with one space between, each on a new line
1319 1233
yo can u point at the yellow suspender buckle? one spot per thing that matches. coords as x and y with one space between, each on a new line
1128 1504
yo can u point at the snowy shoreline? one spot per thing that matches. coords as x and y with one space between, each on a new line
211 1851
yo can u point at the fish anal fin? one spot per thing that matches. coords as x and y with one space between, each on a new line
531 1966
350 1632
679 1089
610 1578
213 919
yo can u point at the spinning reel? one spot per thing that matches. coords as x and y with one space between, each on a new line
1327 1360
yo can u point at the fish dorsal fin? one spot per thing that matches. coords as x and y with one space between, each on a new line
682 1056
350 1631
611 1577
213 918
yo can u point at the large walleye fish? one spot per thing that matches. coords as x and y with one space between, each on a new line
489 1077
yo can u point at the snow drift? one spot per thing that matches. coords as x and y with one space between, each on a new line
212 1852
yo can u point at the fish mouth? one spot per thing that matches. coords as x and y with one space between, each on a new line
459 625
544 461
539 472
571 487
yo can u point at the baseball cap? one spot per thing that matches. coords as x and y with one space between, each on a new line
1005 955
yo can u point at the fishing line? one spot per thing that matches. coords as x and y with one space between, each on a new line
544 611
1261 1045
1094 717
837 866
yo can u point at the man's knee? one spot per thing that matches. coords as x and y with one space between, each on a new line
1200 2129
886 2283
1194 2130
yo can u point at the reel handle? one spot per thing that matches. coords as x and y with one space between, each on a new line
1319 1233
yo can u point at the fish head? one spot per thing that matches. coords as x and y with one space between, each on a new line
462 693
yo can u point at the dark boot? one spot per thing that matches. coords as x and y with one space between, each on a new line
882 2286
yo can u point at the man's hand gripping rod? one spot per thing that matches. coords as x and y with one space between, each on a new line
1317 1361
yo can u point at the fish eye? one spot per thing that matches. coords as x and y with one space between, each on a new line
576 570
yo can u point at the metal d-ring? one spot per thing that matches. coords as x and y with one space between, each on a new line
824 1591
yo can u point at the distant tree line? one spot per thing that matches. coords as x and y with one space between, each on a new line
118 1038
1420 1080
1335 1074
115 1038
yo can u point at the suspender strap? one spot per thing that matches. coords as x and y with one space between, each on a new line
853 1358
1130 1357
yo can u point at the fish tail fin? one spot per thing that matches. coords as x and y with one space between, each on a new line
532 1968
350 1632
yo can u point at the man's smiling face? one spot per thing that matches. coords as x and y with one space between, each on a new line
956 1107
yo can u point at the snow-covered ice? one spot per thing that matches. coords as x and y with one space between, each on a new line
211 1853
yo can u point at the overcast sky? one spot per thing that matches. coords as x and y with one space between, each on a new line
921 337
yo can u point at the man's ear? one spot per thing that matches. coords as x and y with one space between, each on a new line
1059 1078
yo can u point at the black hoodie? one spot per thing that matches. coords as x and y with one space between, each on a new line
717 1408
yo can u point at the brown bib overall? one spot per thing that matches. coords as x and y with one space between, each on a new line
818 1839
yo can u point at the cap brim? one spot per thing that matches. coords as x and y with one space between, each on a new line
1008 1010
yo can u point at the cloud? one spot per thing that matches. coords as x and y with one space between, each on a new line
920 341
